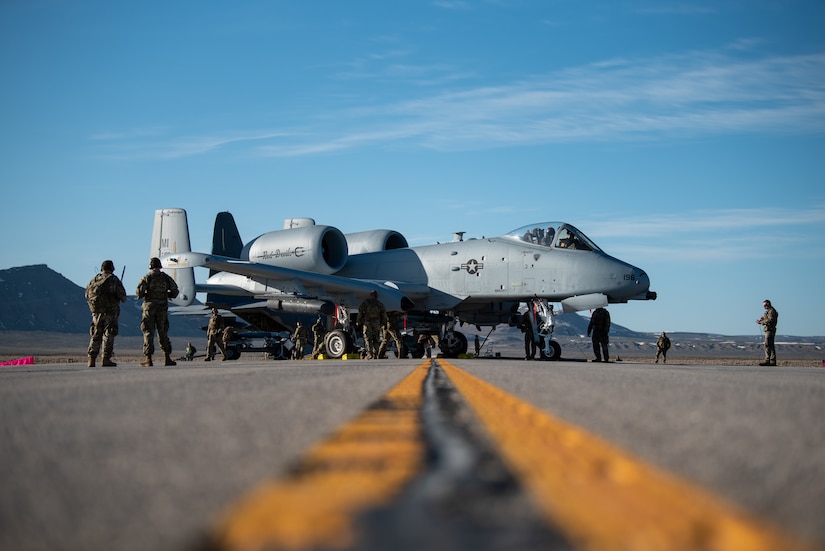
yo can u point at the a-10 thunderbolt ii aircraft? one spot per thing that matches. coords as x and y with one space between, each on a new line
307 269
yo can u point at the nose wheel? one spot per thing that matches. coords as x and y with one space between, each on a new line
453 344
551 352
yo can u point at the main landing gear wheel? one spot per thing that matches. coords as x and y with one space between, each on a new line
555 350
233 352
453 344
337 343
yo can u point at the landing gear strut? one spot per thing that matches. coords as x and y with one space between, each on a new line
541 318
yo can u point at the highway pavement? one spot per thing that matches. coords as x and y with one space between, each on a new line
411 454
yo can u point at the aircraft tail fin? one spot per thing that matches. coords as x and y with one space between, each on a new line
170 235
226 241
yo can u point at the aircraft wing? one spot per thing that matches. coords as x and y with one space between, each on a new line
275 281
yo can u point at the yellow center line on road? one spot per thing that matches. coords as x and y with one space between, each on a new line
601 497
362 465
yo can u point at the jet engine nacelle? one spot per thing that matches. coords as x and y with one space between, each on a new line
321 249
375 241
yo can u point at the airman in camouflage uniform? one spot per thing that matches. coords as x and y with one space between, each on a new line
768 322
319 331
662 346
214 336
105 306
390 330
190 352
372 316
300 337
156 288
229 335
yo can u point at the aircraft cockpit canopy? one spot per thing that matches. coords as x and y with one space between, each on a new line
554 234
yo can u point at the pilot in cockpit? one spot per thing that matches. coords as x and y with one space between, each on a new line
533 236
568 240
573 242
548 237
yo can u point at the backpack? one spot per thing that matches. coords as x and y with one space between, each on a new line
97 296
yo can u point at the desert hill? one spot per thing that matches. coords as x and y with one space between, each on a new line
36 298
39 305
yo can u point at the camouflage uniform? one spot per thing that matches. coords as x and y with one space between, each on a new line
600 327
214 336
319 331
104 326
156 288
372 316
300 337
662 346
229 335
768 322
390 329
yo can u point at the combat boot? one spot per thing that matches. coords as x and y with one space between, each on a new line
107 362
147 362
92 361
169 361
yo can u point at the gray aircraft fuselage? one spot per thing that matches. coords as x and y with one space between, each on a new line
468 275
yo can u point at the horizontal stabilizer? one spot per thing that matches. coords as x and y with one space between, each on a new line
213 290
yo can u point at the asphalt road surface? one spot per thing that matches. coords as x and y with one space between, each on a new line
131 458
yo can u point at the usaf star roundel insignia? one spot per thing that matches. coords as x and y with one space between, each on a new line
472 266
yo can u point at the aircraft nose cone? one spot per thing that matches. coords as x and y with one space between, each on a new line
643 291
642 280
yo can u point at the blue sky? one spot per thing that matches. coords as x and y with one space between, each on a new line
685 137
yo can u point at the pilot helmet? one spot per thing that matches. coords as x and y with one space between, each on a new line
155 264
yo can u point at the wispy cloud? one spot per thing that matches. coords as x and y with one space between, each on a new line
452 4
677 8
162 145
684 96
724 235
710 221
